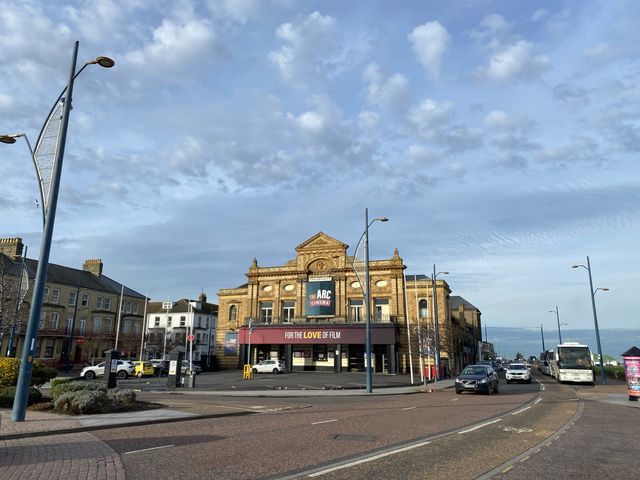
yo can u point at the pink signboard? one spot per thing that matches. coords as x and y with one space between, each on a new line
632 371
326 335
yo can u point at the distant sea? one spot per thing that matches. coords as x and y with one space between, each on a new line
509 341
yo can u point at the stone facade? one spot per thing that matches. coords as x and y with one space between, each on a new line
276 301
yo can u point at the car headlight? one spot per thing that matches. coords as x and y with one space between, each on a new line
458 380
484 380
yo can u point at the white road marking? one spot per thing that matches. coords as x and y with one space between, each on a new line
408 408
537 401
148 449
370 459
480 426
517 430
325 421
521 410
455 399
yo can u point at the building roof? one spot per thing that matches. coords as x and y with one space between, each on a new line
182 306
68 276
456 301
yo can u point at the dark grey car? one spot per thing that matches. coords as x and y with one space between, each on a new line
478 378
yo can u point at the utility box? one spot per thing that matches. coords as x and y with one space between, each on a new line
111 368
174 378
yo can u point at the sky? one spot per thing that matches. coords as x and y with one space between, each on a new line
500 138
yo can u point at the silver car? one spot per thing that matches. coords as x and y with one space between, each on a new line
125 369
269 366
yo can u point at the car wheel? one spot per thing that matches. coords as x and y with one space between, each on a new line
497 388
254 370
275 370
529 381
489 389
508 381
90 375
458 392
122 374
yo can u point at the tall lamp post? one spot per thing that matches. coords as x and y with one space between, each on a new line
559 324
603 378
435 319
367 293
542 335
49 214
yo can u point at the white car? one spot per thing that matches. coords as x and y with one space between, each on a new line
186 368
269 366
125 369
518 372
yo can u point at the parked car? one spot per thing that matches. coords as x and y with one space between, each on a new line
144 368
269 366
124 369
160 366
518 372
186 368
478 378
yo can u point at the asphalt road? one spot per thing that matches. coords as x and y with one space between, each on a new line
297 437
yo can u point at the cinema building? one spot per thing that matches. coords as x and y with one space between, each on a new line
310 313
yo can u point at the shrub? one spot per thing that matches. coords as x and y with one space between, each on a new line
81 402
61 388
9 370
121 398
7 395
61 380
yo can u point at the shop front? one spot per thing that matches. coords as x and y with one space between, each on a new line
321 347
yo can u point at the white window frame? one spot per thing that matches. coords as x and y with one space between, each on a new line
55 295
97 324
84 302
53 321
73 298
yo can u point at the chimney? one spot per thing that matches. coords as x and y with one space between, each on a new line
202 297
93 266
11 247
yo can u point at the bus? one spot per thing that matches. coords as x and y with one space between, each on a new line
571 362
544 364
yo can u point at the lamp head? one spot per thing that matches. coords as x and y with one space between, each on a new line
605 289
8 139
445 273
382 219
104 62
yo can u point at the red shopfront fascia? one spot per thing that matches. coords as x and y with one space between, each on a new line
313 334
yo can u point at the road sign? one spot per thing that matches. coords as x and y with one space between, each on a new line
190 338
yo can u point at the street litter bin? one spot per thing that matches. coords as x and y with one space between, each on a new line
191 380
631 359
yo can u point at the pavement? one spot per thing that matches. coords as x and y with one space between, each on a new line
53 446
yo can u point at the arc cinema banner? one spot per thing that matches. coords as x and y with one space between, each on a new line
320 297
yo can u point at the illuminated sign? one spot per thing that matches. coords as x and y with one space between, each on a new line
320 297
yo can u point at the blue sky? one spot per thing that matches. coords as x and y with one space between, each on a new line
499 137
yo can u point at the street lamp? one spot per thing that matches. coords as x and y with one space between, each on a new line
435 319
542 335
595 316
366 291
559 324
49 214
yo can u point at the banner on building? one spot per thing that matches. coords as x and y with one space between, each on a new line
320 297
231 343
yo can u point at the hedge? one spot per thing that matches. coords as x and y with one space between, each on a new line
63 387
10 369
91 400
7 394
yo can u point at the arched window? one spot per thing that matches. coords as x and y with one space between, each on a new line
233 313
423 308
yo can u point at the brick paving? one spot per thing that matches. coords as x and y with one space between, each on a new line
65 457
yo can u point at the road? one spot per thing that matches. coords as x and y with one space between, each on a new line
315 434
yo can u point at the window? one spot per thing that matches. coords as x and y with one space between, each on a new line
99 303
85 300
197 338
156 322
199 321
135 308
69 324
107 325
206 322
137 327
72 298
82 325
53 321
127 327
36 349
107 303
320 353
127 306
48 348
55 295
45 295
169 319
266 312
97 325
288 311
183 321
355 310
43 320
233 313
423 307
381 309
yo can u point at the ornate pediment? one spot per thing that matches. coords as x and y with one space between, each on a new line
321 241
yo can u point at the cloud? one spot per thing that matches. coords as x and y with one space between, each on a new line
239 11
602 52
387 90
175 45
367 120
305 46
429 43
430 116
515 61
494 29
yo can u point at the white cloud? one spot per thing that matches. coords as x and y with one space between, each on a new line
306 43
175 45
539 15
237 10
429 43
515 61
389 91
496 119
6 101
368 120
430 115
600 53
